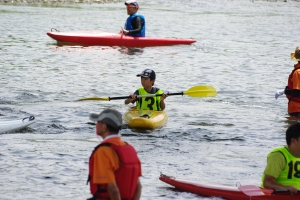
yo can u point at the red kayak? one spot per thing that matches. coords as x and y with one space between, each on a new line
228 192
99 38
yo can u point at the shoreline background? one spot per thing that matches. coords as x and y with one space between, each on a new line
100 1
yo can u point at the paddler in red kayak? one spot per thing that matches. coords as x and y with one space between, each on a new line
148 77
292 90
283 164
135 24
114 167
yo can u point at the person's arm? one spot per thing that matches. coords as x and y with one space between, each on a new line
162 101
270 183
137 25
132 99
113 191
138 191
296 80
106 161
295 92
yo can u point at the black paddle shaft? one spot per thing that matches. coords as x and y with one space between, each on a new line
115 98
126 97
170 94
177 93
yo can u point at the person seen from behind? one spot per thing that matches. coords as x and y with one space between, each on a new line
283 164
154 102
114 167
135 24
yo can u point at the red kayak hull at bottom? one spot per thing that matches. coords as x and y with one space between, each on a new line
223 191
100 38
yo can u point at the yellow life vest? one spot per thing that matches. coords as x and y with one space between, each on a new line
149 103
291 173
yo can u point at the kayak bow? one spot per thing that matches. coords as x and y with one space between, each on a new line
224 191
15 125
145 119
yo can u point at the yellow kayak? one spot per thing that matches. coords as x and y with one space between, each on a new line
145 119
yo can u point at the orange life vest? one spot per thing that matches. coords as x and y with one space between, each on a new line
126 176
290 94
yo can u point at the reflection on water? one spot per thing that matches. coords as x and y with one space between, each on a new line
131 51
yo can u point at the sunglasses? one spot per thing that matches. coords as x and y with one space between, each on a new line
130 6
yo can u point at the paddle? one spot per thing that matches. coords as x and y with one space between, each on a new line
253 190
195 91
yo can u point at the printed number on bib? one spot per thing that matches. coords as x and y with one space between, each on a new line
151 103
293 167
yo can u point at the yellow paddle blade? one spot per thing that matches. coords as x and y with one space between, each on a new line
94 99
201 91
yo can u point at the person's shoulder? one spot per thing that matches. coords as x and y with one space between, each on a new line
296 73
278 155
106 143
103 150
115 141
138 16
107 147
119 143
159 90
154 90
276 163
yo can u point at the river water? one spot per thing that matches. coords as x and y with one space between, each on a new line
243 50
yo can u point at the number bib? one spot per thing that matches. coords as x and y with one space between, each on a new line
149 103
291 173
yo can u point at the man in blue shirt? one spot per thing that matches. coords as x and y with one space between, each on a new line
135 24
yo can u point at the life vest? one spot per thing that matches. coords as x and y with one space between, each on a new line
128 25
148 103
291 94
291 173
126 176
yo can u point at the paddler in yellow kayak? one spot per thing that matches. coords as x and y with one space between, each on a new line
148 77
283 164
